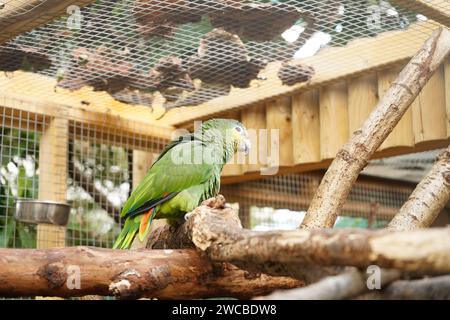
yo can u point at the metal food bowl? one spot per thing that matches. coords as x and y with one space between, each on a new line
38 211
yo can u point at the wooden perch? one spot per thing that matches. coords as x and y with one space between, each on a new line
216 230
436 288
19 16
342 286
164 274
428 199
355 154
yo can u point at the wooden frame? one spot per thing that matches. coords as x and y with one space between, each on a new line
437 10
361 56
13 24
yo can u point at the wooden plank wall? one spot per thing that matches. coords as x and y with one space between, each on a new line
314 124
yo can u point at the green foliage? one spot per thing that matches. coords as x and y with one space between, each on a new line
16 145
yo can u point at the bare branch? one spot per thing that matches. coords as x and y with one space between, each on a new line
436 288
164 274
217 231
342 286
428 199
354 155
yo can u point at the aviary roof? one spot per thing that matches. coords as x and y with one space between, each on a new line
146 57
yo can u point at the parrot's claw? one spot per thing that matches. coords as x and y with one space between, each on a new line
187 216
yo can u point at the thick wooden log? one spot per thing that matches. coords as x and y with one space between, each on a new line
217 231
428 199
164 274
355 154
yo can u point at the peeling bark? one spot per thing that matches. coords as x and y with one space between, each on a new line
428 199
354 155
164 274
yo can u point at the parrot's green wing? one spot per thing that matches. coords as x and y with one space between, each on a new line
168 176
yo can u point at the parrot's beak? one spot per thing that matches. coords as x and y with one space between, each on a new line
245 146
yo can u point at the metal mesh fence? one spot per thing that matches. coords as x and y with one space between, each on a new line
280 202
90 166
183 53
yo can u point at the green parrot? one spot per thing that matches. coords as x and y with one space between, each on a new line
186 173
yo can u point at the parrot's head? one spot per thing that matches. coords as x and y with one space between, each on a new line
228 132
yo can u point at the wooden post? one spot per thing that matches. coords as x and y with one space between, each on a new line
447 94
278 117
235 166
254 119
428 110
306 126
403 134
142 161
362 98
53 156
333 119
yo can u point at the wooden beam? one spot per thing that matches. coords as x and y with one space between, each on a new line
362 97
429 110
403 134
163 274
306 126
278 117
333 119
330 64
39 88
436 10
18 16
101 126
53 153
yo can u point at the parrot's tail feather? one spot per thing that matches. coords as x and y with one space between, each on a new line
125 238
145 224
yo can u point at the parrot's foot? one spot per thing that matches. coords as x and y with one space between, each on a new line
217 202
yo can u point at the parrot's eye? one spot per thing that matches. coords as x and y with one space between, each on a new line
238 129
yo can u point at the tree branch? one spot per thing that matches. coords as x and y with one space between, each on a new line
164 274
436 288
354 155
342 286
216 230
428 199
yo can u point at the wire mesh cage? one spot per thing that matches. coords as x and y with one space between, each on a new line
140 58
281 202
174 53
88 165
